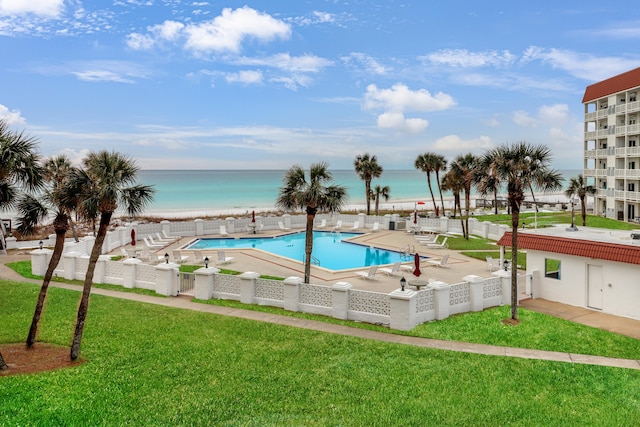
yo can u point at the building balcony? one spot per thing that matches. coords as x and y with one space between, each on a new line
627 173
627 152
629 196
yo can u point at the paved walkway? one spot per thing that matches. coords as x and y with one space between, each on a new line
187 304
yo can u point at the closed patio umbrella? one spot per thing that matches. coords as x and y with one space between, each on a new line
416 261
253 216
133 237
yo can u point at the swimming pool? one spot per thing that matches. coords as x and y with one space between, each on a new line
329 248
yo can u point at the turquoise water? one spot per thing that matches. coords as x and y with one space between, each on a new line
329 248
247 189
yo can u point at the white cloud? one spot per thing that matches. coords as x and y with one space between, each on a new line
43 8
522 118
554 114
284 61
455 144
400 98
227 31
245 76
583 66
167 31
292 82
466 59
137 41
398 122
370 64
11 117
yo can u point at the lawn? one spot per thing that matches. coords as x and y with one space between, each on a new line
153 365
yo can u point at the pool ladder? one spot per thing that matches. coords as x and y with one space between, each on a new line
407 252
314 260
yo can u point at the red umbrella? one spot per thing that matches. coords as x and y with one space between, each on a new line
253 216
416 261
133 237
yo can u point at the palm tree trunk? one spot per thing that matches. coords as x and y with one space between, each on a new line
515 220
495 201
42 296
308 247
367 185
533 196
433 199
583 208
467 202
3 364
83 308
440 191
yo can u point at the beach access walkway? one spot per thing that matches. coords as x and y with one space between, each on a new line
608 322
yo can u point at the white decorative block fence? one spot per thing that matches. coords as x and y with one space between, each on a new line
399 309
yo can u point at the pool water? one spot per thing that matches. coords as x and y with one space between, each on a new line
329 248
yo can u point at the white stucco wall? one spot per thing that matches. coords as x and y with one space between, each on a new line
620 290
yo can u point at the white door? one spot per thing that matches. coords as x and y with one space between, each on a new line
594 286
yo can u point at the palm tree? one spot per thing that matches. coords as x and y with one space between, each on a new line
381 192
20 171
579 187
56 197
367 168
106 182
313 194
487 181
20 168
465 167
520 165
451 181
439 163
425 163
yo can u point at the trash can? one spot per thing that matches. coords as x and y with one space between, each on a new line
392 225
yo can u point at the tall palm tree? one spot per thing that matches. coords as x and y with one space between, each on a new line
578 187
20 171
439 165
367 168
516 165
465 167
106 182
313 194
381 192
59 198
425 162
451 181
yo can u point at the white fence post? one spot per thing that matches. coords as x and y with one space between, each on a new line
230 224
99 272
203 282
40 261
199 226
167 279
476 294
69 262
403 309
444 224
248 287
286 218
340 299
292 293
505 281
441 297
129 272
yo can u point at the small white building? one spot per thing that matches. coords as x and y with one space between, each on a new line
593 268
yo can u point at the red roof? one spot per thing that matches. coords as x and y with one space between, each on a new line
612 85
584 248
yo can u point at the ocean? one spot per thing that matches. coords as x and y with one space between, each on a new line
219 192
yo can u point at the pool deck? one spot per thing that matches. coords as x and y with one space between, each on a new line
269 264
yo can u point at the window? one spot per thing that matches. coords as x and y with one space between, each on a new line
552 268
632 165
632 121
631 187
632 143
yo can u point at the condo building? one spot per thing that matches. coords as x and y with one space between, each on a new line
612 145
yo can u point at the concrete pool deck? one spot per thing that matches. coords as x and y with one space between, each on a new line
273 265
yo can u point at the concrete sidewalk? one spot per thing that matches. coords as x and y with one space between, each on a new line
187 304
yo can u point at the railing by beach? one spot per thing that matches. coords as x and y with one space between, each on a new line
400 309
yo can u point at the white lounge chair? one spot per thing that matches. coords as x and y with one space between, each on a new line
223 230
441 263
166 236
124 252
282 227
436 245
338 225
369 274
493 264
178 258
376 227
160 244
164 239
425 240
259 228
222 259
153 246
393 270
323 224
356 225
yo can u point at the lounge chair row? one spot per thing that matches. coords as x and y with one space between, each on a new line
398 268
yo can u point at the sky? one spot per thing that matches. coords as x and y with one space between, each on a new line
268 84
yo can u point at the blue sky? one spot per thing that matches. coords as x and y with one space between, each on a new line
268 84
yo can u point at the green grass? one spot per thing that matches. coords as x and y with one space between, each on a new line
551 218
153 365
